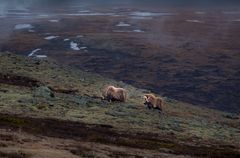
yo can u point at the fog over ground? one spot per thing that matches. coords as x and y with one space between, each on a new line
40 3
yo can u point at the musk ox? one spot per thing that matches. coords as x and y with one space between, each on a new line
153 102
112 93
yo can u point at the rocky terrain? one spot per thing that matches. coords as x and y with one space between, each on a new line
51 110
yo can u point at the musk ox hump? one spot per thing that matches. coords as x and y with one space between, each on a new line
115 94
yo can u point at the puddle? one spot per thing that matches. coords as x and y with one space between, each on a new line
34 51
122 24
84 11
195 21
81 48
126 31
149 14
23 26
53 20
138 30
79 36
90 14
74 46
41 56
32 54
120 31
43 15
50 37
141 17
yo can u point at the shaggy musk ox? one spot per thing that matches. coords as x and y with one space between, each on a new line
112 93
153 102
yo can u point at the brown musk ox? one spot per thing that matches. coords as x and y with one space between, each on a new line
153 102
112 93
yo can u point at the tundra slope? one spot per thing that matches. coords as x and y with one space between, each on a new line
48 110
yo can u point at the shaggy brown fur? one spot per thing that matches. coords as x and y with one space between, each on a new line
112 93
153 102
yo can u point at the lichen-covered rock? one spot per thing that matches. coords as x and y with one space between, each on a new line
43 92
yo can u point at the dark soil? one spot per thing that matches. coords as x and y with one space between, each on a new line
105 134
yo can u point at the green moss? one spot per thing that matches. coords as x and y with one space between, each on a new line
13 155
12 121
42 107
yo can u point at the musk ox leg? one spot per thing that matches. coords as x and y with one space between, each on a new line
159 109
109 99
149 106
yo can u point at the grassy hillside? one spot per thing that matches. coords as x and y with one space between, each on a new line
43 99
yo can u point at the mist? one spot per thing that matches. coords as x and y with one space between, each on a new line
22 4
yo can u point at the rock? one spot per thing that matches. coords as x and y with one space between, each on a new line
43 92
